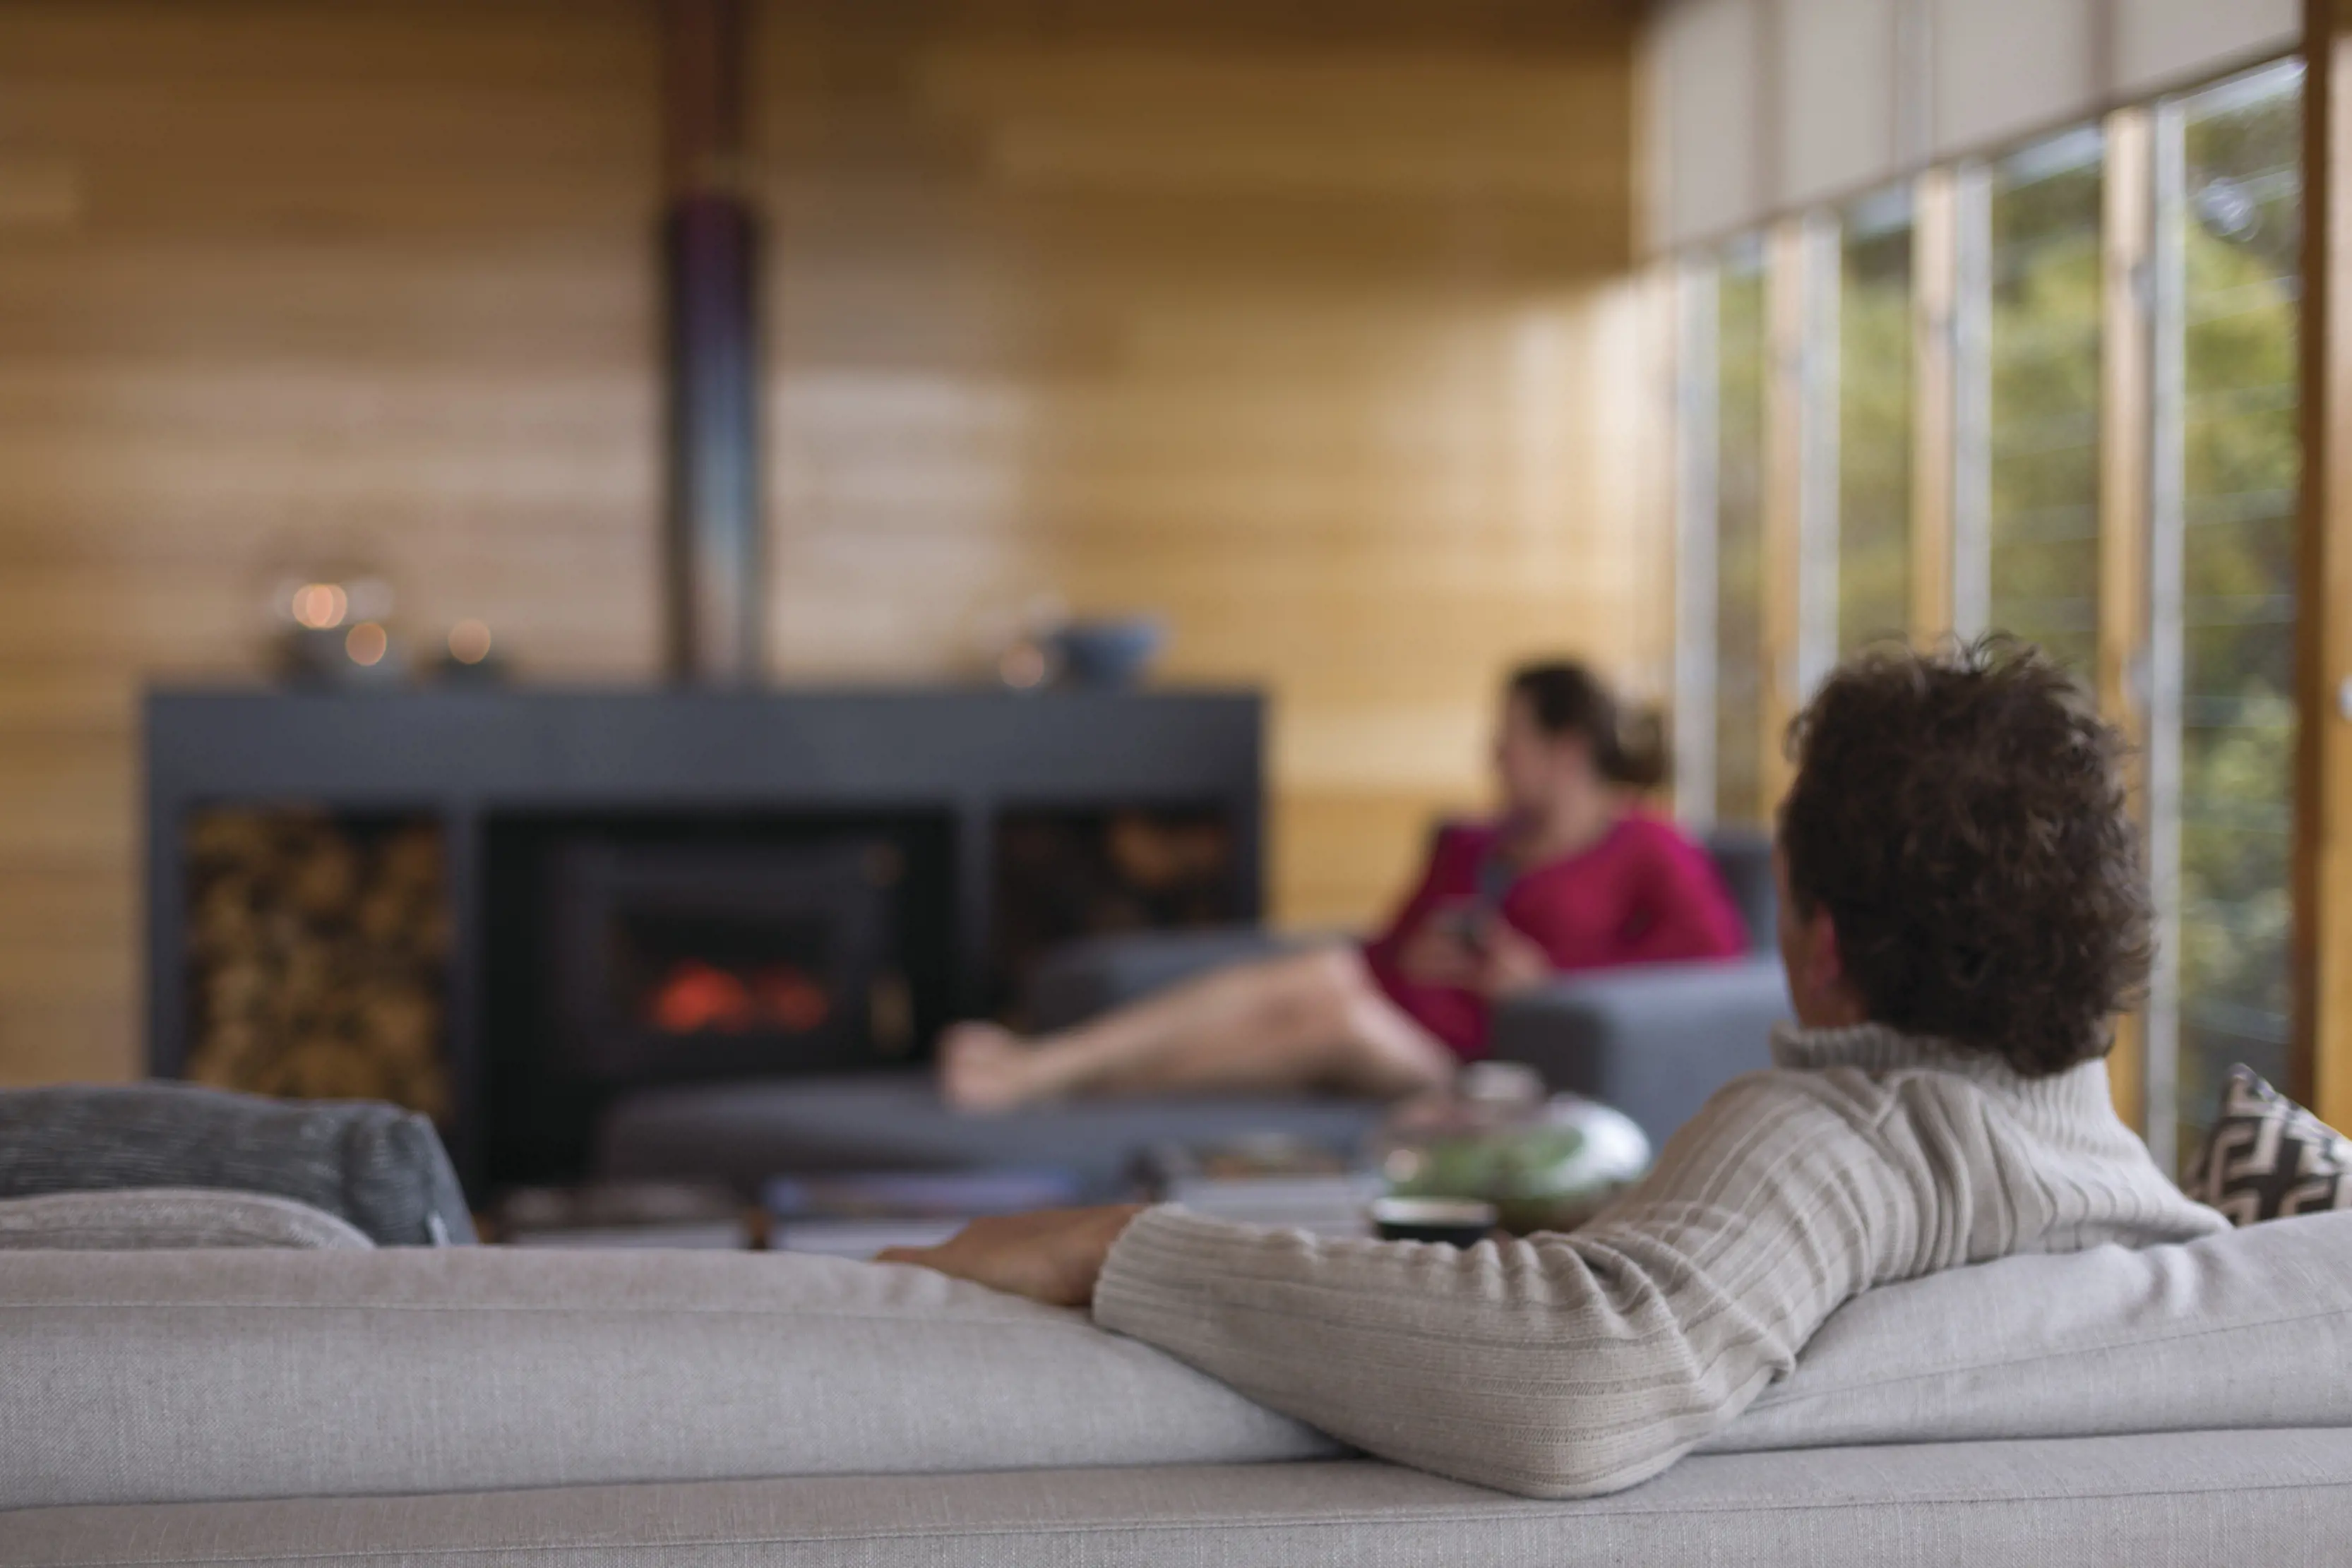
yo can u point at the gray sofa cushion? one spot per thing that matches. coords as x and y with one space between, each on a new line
1654 1042
130 1218
470 1368
486 1368
2247 1328
2176 1501
377 1166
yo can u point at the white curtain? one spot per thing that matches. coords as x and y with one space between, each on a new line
1761 107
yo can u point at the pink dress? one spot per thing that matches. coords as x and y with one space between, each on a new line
1642 893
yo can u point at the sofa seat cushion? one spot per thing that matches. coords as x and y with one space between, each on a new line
744 1133
135 1217
2176 1501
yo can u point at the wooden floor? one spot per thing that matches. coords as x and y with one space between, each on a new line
1301 330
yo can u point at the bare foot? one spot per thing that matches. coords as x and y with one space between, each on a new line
984 1067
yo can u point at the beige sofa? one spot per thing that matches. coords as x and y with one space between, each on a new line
476 1406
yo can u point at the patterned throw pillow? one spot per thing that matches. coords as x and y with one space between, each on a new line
2268 1158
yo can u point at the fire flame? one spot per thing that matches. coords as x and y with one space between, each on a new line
697 995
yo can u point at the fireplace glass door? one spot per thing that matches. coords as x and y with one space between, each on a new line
697 960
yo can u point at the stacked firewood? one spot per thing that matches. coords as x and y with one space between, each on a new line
317 955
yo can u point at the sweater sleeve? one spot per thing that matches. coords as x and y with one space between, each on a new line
1683 911
1559 1366
1438 875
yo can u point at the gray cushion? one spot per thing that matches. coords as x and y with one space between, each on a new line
1656 1040
487 1368
2180 1501
130 1218
2224 1331
744 1133
476 1367
377 1166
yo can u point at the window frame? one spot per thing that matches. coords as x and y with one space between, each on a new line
2140 625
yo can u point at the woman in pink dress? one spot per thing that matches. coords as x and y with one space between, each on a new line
1573 876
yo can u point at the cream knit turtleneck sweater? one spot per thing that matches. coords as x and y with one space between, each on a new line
1564 1366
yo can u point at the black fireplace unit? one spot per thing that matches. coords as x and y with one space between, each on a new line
510 907
695 959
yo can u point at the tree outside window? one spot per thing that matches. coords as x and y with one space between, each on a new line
2230 646
2043 435
1874 437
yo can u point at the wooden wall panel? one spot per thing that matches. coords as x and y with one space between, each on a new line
1314 344
303 282
2126 240
1305 326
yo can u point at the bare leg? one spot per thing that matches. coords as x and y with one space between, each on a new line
1306 1020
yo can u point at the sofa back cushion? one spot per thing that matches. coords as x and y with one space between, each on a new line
130 1218
380 1167
1743 857
2248 1328
160 1376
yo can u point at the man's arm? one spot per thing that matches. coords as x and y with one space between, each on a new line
1556 1367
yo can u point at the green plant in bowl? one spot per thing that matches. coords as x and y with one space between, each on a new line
1551 1172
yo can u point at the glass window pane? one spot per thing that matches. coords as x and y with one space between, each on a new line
2044 434
1874 529
2240 469
1741 355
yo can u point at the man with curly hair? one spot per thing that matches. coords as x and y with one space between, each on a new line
1962 917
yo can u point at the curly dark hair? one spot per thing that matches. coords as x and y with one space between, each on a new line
1961 816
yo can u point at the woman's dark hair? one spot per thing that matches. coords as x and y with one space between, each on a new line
1568 699
1961 817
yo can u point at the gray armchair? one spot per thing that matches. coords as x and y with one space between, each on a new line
1652 1041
